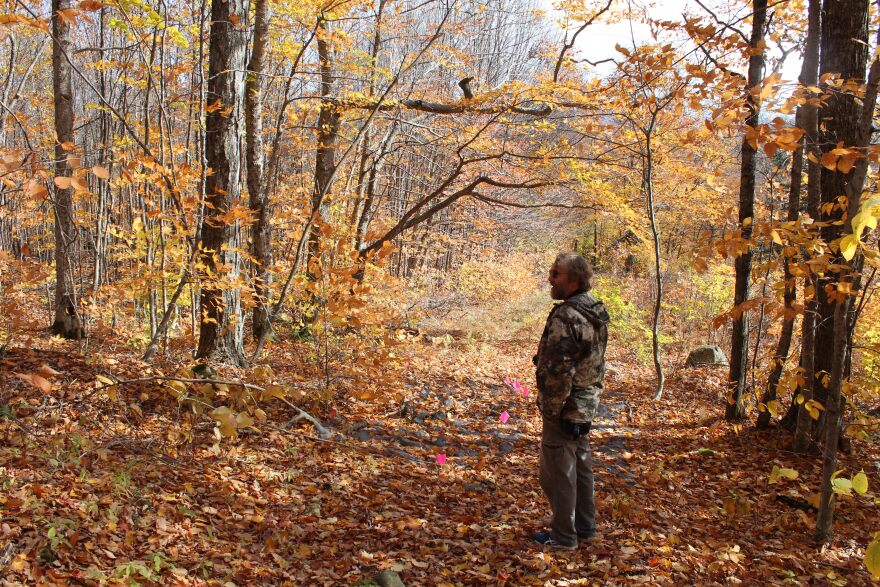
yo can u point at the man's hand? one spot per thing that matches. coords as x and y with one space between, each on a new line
575 429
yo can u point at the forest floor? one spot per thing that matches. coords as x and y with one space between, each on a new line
99 489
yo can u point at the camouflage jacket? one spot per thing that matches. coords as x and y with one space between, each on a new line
571 359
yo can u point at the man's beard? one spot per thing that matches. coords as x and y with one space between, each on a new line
556 293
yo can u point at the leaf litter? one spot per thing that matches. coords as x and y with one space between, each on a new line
130 488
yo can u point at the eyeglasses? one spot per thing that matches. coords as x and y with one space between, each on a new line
554 273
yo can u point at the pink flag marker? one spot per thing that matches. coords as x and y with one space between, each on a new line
507 380
516 385
504 417
525 391
441 458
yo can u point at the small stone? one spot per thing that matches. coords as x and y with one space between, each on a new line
389 579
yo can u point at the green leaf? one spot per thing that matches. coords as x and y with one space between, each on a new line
706 451
872 557
860 483
842 486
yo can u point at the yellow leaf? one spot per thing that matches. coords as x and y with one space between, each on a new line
860 483
278 391
262 374
782 473
243 420
872 557
813 407
773 407
176 388
101 172
226 419
848 246
775 236
62 183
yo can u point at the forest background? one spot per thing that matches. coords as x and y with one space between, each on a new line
241 241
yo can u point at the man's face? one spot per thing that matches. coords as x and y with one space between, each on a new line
561 283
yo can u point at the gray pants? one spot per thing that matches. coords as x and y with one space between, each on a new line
567 480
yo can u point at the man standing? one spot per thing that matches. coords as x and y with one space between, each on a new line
570 368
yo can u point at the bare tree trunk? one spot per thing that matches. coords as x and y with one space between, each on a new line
648 188
810 71
220 333
325 154
67 317
261 244
807 77
743 265
844 50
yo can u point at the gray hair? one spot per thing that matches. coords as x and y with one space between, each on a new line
577 267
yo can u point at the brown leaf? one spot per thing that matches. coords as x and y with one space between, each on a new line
47 371
36 189
39 382
78 184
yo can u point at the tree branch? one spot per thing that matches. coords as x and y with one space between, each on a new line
568 45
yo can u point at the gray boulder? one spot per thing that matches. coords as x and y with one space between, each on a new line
706 355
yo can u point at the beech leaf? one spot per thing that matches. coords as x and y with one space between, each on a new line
37 381
860 483
872 557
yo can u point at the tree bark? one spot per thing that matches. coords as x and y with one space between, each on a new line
839 17
220 332
805 119
67 322
261 244
648 187
847 119
325 153
743 263
803 420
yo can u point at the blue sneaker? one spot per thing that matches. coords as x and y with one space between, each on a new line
546 539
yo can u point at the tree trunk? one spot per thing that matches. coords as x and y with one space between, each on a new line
848 119
261 244
325 155
743 265
67 317
803 421
808 77
658 273
838 57
220 333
